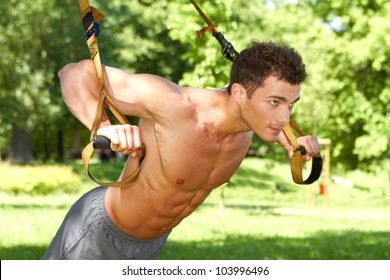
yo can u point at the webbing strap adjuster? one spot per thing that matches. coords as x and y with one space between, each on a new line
90 17
230 53
228 50
91 27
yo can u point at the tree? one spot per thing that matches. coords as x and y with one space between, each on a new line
357 68
344 44
36 40
345 47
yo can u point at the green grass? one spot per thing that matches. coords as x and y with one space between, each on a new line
258 221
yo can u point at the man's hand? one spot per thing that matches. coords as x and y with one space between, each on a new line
310 143
125 139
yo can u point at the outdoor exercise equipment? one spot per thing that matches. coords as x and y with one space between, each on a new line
91 18
324 183
296 160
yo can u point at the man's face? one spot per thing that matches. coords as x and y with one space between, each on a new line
269 108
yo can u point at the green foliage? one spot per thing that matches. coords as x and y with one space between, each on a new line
141 41
250 233
357 67
35 45
266 222
345 45
259 221
40 180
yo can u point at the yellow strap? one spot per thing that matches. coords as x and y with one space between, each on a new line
105 100
86 155
210 28
203 15
297 160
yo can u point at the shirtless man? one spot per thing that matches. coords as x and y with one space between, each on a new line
195 141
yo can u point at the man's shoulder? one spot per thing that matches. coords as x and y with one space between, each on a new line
156 84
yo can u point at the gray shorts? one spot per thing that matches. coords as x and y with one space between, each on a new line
87 233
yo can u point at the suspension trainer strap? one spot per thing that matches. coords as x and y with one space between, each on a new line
91 18
296 161
228 50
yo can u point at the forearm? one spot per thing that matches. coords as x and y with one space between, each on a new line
80 92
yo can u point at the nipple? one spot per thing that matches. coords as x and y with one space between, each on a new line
179 181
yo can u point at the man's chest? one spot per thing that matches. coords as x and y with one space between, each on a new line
193 158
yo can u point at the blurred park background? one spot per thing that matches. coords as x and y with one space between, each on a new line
261 213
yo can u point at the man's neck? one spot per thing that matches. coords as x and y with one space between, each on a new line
222 117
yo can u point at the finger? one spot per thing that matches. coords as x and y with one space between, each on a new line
126 138
313 145
306 157
107 132
136 142
136 137
119 139
131 142
283 141
116 138
307 143
317 145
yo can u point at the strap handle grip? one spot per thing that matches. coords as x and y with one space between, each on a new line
101 142
297 160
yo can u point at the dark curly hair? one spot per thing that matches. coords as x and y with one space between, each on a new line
253 65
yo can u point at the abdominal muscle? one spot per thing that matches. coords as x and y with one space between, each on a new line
148 209
171 185
159 200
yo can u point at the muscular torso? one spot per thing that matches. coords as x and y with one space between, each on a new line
184 162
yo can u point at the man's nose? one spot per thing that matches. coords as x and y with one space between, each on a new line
284 116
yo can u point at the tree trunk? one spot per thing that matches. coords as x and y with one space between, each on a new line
76 143
46 146
60 147
21 146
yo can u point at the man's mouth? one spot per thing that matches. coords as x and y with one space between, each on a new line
275 130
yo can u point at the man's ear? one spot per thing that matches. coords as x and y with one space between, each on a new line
238 93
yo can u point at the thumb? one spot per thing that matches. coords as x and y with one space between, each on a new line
283 141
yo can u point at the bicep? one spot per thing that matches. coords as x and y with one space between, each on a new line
80 90
137 94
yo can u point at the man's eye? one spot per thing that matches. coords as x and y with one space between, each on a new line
274 102
292 105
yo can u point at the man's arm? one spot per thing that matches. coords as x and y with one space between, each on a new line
133 94
80 91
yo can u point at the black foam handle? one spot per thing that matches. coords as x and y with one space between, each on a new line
101 142
303 150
